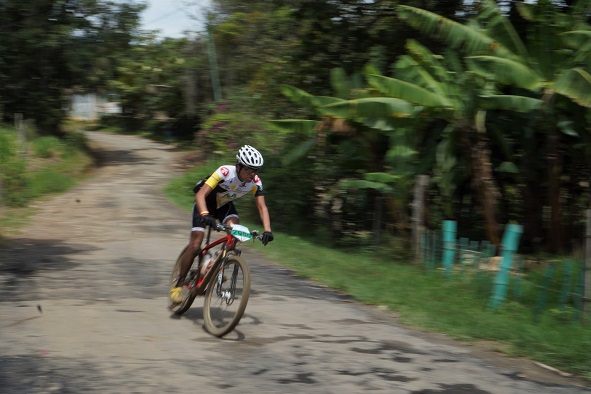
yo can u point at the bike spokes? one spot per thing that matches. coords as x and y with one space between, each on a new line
226 299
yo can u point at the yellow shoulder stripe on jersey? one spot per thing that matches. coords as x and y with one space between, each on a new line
213 180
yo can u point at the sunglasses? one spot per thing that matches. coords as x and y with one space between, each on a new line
250 170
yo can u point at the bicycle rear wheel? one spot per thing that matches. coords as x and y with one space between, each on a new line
226 296
188 294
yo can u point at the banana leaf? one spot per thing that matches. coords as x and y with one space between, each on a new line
296 126
373 107
575 84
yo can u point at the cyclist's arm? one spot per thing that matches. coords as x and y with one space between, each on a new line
207 187
263 212
200 199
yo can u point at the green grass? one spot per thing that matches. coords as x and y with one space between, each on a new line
11 220
40 167
428 301
46 147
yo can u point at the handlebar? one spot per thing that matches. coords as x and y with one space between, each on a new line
226 227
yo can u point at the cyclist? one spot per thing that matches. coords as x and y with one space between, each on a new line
213 201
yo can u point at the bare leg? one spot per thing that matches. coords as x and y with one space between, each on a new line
191 253
232 221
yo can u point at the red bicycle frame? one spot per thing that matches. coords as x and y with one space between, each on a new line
228 242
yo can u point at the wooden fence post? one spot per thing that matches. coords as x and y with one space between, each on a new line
418 227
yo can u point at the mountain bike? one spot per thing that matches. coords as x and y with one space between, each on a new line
226 285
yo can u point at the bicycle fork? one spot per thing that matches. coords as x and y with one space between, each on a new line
227 295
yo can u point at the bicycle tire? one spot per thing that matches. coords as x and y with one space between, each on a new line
219 296
190 295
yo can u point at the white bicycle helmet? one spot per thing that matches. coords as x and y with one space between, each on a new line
250 157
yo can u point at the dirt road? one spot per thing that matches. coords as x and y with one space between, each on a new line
83 310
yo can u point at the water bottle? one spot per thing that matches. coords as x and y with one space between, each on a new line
206 264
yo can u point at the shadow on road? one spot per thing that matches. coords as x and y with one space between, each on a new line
23 259
105 157
42 374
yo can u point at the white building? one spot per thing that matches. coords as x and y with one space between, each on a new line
90 107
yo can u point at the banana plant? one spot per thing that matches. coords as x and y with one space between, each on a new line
354 111
554 62
371 123
446 90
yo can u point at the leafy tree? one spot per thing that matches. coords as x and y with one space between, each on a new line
349 139
547 66
264 44
49 46
448 91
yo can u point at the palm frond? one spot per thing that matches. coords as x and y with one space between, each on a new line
411 71
407 91
499 27
305 99
382 177
401 152
297 126
383 124
364 184
320 101
298 152
457 35
373 107
505 71
429 61
580 40
575 84
510 103
296 95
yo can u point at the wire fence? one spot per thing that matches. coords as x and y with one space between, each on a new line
553 287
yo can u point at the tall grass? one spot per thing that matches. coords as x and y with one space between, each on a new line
429 301
40 166
46 147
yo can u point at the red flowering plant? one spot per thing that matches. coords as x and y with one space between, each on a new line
225 131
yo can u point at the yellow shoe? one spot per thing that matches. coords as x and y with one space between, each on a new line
176 295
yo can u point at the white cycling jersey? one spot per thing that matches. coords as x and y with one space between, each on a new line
227 186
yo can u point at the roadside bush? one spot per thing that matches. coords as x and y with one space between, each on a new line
51 165
12 169
225 131
46 147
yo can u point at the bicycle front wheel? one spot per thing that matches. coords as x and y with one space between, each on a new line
226 296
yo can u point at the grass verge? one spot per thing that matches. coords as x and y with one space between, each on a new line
35 168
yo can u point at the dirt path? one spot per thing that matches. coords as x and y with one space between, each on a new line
83 310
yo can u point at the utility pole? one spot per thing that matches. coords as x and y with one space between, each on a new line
213 62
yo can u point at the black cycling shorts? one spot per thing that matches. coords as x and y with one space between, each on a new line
223 213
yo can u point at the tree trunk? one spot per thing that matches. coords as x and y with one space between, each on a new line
418 225
485 188
483 182
556 233
533 210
